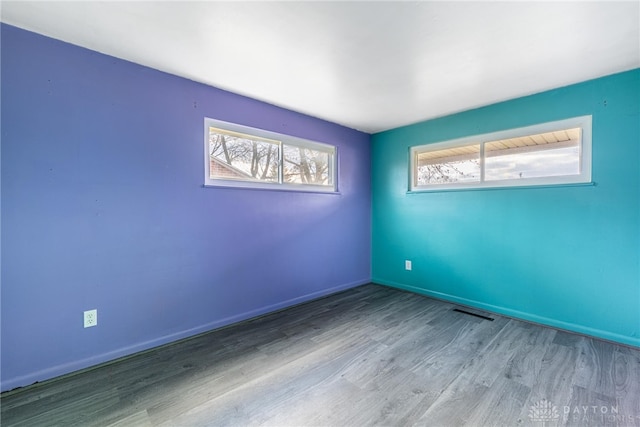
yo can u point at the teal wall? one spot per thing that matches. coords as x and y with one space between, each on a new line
563 256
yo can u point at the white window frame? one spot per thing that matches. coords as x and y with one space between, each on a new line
276 137
583 177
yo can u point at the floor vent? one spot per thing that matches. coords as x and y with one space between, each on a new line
473 314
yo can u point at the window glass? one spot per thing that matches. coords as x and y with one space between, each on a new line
459 164
307 166
546 154
239 156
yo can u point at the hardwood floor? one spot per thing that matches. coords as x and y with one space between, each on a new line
368 356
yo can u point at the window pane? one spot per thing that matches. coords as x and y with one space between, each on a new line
242 157
547 154
448 166
307 166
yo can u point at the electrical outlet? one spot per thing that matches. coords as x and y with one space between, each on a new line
407 265
90 318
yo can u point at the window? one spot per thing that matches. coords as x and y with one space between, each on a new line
239 156
546 154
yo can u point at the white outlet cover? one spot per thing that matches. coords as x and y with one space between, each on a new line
90 318
407 265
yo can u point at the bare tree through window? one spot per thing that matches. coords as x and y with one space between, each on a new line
244 157
258 159
451 165
306 166
444 173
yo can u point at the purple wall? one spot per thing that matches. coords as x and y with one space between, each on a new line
103 207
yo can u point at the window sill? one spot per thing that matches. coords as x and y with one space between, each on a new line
279 188
506 187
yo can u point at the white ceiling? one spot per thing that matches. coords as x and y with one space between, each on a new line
371 66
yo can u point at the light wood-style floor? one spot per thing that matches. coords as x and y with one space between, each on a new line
368 356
